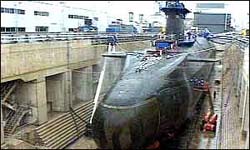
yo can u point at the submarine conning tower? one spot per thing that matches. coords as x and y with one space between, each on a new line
175 14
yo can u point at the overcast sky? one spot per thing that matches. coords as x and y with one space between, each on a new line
120 9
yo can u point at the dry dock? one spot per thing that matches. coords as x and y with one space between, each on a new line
34 85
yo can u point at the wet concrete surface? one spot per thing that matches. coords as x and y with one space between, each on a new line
191 136
227 135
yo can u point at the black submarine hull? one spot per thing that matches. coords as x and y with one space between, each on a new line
127 127
134 126
140 115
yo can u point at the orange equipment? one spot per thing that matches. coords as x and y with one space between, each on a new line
207 116
155 145
213 119
209 127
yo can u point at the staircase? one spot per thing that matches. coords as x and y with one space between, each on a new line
14 118
63 130
7 89
4 146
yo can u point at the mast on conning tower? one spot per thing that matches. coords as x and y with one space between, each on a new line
175 14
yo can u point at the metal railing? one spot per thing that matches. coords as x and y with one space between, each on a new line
96 38
37 37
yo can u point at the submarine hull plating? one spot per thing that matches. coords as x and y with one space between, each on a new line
133 120
126 127
150 103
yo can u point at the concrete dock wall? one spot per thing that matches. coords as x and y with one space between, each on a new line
28 61
54 75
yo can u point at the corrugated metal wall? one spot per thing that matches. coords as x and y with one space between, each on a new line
209 18
213 22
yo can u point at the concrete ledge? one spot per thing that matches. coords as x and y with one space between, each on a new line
29 61
29 76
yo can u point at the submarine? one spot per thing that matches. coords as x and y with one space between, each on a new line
152 96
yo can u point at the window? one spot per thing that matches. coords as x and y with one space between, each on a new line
76 17
131 16
2 29
22 29
21 11
72 29
81 17
7 10
2 10
42 29
41 13
88 21
12 11
46 14
7 29
13 29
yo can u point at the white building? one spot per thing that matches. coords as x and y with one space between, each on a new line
35 16
56 16
158 19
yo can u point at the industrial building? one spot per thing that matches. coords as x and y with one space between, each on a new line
163 86
214 22
212 16
59 17
19 16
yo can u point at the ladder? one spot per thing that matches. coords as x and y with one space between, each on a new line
14 119
7 89
206 90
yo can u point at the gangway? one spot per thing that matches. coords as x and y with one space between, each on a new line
205 87
203 60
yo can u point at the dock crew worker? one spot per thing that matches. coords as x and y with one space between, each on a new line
214 94
112 42
174 45
189 35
